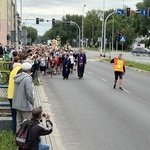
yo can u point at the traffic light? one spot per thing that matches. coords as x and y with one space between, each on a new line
148 13
37 20
128 12
53 22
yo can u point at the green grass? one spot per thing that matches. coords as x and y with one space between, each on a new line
7 140
93 49
144 67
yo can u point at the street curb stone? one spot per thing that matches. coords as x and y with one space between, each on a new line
54 139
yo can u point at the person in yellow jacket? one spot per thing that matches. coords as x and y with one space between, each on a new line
16 69
119 70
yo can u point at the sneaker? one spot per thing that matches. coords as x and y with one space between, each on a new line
121 88
114 86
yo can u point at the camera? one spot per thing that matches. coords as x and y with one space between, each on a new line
44 114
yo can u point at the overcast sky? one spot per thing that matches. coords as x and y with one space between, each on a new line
48 9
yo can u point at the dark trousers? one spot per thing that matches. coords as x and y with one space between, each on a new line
13 113
80 72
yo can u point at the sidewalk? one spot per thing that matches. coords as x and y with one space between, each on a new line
54 139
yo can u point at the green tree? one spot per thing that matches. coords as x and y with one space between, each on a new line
32 34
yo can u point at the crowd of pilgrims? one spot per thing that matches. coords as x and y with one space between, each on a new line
48 61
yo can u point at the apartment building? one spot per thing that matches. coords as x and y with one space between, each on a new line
7 21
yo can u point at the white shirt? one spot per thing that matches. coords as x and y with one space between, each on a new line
71 59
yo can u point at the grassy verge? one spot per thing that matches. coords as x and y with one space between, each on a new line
7 140
144 67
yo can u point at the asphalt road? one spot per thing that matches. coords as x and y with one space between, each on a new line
90 114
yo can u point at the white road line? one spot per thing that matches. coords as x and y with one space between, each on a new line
89 72
103 79
126 91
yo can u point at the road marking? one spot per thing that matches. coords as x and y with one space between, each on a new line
103 79
93 59
126 91
89 72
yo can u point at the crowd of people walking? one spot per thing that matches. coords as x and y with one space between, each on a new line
27 63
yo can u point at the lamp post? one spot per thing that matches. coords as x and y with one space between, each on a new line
27 18
16 26
92 31
113 34
102 36
71 22
82 23
30 27
123 4
105 31
21 15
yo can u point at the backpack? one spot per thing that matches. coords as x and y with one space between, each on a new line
22 135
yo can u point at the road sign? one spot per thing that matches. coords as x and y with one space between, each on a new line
144 12
122 38
99 39
120 11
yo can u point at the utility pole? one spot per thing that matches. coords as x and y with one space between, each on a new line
16 26
21 19
83 25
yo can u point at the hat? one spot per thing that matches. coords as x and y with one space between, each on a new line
26 66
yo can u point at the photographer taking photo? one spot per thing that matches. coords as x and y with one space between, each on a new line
36 129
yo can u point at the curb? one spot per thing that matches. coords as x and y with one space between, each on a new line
54 139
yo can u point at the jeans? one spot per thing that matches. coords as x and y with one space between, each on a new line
43 146
13 113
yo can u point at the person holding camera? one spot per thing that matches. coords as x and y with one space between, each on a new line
37 129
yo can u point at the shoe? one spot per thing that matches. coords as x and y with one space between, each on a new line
114 86
121 88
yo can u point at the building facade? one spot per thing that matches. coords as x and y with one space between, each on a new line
7 20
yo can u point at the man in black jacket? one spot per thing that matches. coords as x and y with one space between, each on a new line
37 130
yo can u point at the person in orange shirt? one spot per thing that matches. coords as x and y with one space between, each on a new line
119 70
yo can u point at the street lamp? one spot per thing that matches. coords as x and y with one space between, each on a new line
82 23
16 26
27 18
103 26
105 30
113 33
71 22
21 15
92 31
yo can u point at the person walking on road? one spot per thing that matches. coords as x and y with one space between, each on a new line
119 70
52 65
23 99
81 61
66 66
72 61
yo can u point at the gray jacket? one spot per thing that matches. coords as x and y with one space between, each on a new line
23 98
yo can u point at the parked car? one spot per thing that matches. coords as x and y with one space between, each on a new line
140 50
